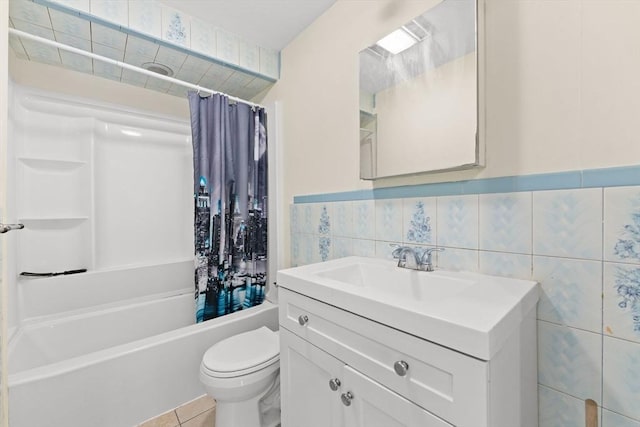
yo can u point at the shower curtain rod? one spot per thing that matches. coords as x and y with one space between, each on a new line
126 66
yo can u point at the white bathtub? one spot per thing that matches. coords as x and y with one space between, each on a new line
114 364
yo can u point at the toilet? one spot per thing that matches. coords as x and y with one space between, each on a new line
242 373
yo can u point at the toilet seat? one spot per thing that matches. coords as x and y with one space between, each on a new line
242 354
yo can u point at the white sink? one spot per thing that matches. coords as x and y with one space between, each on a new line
469 312
398 283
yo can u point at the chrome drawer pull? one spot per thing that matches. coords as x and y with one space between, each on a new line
303 319
334 384
401 367
346 398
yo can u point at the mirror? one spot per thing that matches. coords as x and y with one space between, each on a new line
419 95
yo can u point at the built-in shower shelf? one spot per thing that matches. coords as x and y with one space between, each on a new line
51 164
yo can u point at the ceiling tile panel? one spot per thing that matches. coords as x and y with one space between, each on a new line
70 24
108 36
30 12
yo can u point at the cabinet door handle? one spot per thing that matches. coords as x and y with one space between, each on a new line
303 319
346 398
401 367
334 384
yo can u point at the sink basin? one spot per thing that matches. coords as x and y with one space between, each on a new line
468 312
397 282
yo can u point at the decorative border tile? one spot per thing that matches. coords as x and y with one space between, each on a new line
607 177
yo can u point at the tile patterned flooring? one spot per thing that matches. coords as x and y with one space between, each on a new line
197 413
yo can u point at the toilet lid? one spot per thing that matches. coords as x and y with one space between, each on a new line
243 351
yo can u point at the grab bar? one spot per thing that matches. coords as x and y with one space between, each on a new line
52 274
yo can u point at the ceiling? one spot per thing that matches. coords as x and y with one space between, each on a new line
269 23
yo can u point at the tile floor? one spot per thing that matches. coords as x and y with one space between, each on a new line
197 413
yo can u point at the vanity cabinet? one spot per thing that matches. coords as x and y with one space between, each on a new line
321 391
339 369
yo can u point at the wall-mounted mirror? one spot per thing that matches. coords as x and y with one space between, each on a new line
419 95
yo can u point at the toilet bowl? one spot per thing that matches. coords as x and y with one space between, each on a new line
242 374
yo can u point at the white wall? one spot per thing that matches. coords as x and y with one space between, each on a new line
60 80
562 91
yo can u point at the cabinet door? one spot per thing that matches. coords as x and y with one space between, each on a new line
373 405
305 372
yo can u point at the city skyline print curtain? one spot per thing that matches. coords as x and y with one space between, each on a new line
230 197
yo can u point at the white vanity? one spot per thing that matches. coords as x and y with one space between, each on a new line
365 343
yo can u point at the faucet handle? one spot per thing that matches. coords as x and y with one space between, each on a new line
396 249
426 257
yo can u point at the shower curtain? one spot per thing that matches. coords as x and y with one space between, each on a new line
230 195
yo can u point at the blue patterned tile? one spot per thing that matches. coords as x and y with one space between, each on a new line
294 218
505 264
621 386
611 419
309 249
366 248
342 247
622 301
324 248
176 27
203 37
457 221
307 223
116 11
296 250
622 224
458 260
228 47
364 219
389 220
568 223
505 222
145 16
419 218
570 360
324 221
571 292
384 249
558 409
342 219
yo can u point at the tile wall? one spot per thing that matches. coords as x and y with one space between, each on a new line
582 245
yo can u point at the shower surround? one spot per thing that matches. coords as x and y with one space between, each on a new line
108 189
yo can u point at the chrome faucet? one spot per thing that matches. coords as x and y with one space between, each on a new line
426 259
415 260
404 260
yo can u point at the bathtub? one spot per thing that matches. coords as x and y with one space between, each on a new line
116 363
